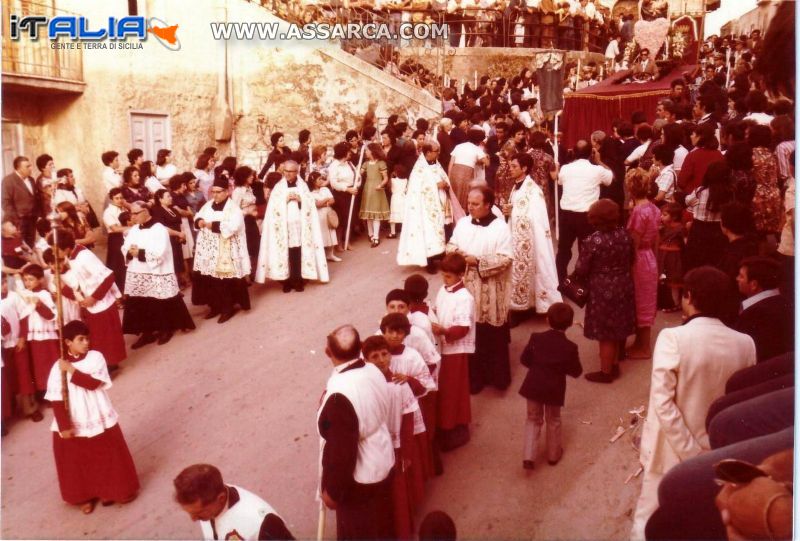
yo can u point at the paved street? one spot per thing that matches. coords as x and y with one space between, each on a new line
243 396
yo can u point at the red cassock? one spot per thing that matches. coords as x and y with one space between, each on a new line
105 331
44 354
401 491
97 467
454 398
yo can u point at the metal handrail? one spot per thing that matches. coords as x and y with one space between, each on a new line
37 58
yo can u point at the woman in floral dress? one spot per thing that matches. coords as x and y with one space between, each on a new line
604 263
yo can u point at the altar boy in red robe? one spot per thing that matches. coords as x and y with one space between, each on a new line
92 459
455 312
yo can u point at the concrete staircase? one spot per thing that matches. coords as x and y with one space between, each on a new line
427 105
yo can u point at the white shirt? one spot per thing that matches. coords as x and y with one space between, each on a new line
581 180
456 309
75 197
680 156
612 50
758 297
341 175
111 216
111 179
166 172
467 154
638 152
153 185
666 182
760 118
204 181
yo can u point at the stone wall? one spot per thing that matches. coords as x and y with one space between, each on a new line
462 64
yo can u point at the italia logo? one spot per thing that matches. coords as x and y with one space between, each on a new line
79 29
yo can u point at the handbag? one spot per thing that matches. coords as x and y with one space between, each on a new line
572 289
333 218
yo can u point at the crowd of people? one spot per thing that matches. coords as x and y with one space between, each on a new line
694 213
581 25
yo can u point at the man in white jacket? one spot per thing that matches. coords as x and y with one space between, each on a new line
691 365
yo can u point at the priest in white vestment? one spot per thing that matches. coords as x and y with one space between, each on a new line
292 249
154 307
484 239
534 280
427 209
221 260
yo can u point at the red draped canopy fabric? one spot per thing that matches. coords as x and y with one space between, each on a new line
596 107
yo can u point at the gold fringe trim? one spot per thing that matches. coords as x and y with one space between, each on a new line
619 96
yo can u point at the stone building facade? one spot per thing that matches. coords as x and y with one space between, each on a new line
74 104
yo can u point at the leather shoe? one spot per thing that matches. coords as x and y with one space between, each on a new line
600 377
556 461
164 338
211 315
146 338
527 464
287 287
225 317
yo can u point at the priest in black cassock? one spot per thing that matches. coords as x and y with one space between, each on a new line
484 239
221 260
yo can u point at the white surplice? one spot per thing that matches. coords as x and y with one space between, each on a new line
534 280
155 276
273 256
489 241
422 235
223 254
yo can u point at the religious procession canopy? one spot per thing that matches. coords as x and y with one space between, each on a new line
596 107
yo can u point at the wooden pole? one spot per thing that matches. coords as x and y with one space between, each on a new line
555 153
321 522
356 185
55 219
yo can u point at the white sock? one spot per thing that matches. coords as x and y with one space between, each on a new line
369 228
376 227
392 227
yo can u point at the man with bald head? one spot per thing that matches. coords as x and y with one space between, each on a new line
580 183
356 447
154 308
291 248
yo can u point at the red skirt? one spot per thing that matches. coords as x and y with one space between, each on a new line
453 407
44 354
105 333
401 502
427 405
20 371
98 467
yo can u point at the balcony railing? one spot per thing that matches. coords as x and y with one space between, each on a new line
35 63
